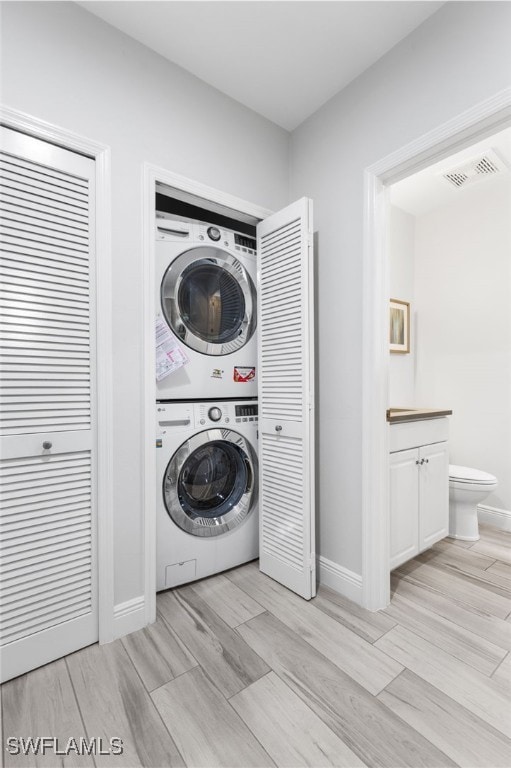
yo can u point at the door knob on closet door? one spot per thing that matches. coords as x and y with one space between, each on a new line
47 445
278 428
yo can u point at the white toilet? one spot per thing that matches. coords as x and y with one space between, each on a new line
467 488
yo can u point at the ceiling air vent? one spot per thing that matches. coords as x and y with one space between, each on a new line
474 170
485 165
456 178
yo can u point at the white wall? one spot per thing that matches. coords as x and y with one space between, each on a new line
457 58
63 65
463 305
401 246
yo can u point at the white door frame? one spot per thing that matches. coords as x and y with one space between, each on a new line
39 129
482 120
151 175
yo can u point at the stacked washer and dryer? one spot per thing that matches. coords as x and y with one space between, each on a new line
206 410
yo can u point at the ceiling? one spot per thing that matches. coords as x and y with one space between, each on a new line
427 189
282 59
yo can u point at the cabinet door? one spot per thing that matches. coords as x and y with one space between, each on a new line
404 506
433 494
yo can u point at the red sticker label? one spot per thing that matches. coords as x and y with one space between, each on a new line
244 374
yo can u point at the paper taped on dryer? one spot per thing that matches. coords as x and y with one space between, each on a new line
169 355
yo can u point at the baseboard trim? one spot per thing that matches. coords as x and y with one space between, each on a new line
342 580
129 616
500 518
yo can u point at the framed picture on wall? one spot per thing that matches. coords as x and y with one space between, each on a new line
399 326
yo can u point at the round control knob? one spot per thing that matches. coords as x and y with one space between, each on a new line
214 233
215 414
47 445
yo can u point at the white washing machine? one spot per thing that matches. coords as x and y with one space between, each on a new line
207 513
206 295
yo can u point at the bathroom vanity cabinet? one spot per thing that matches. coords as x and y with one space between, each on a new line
419 487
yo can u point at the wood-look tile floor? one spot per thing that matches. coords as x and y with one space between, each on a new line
237 671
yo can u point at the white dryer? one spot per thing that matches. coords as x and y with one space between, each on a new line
207 480
205 292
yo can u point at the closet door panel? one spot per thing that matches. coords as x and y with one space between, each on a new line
47 397
286 398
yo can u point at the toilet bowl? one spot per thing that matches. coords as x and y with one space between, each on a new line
467 488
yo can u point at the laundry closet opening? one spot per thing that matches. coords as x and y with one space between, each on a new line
207 465
207 444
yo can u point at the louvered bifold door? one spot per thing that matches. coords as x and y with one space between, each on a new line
286 398
48 604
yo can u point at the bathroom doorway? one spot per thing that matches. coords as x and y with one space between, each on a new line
449 249
484 120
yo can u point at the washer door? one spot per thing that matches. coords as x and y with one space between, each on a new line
209 485
209 301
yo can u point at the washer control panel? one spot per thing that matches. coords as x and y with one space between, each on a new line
184 416
224 414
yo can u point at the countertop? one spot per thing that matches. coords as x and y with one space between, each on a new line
396 415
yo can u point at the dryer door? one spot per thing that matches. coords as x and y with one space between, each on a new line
209 486
209 301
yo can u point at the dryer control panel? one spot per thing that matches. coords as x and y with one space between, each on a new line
207 234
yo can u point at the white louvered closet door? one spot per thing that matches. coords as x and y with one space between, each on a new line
47 458
286 398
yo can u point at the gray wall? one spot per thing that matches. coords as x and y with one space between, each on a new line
62 64
457 58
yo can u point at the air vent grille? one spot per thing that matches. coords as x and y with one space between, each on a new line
485 165
474 170
458 179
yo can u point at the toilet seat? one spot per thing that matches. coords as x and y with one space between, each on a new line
468 476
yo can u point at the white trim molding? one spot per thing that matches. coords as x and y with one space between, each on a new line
53 134
129 616
499 518
342 580
151 175
482 120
